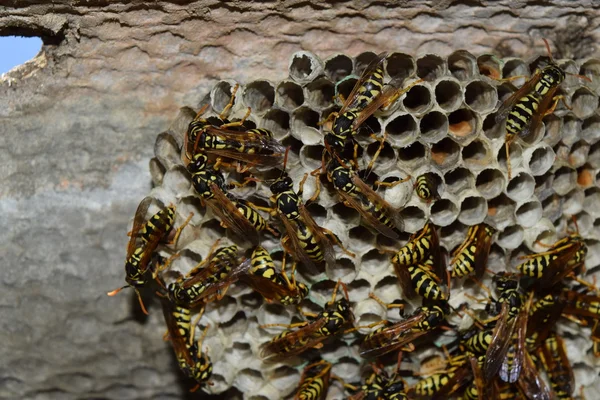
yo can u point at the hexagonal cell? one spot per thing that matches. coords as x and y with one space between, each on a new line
565 179
166 149
539 62
480 96
513 68
277 121
516 156
385 160
361 239
375 263
345 269
591 69
490 183
400 65
552 207
289 95
594 155
579 154
571 130
362 61
430 67
464 124
586 176
445 153
418 99
220 95
305 67
511 237
501 211
367 129
591 203
311 157
444 212
540 235
590 129
347 215
412 156
402 129
344 87
305 125
433 126
477 155
584 102
157 171
462 65
521 186
539 159
489 65
528 213
414 218
585 223
397 196
448 94
338 67
493 129
319 93
573 202
459 179
259 96
473 209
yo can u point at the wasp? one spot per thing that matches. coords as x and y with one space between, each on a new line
530 382
335 316
443 384
471 256
379 385
192 361
264 278
310 243
554 358
426 188
209 280
145 237
236 214
526 108
391 337
550 267
510 293
542 318
314 382
224 139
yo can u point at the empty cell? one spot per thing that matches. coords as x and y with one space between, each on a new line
305 125
413 155
361 239
539 159
221 95
259 96
513 68
176 180
539 237
511 237
445 153
431 67
166 150
493 129
157 171
529 213
516 155
501 211
418 99
367 129
579 154
402 129
304 67
594 155
565 179
591 69
552 207
338 67
400 65
477 155
347 215
344 270
448 94
590 129
490 183
591 203
473 210
489 65
386 158
583 102
433 126
571 130
289 95
311 156
284 378
248 380
459 180
481 96
277 121
462 65
362 61
320 92
553 126
444 212
452 235
573 201
375 263
414 218
463 124
344 87
521 186
397 196
539 63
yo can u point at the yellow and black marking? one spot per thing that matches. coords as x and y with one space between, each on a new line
471 256
425 283
314 382
479 343
558 368
158 225
431 385
425 187
418 249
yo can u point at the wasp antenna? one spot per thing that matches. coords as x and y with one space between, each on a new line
139 296
285 158
548 48
114 292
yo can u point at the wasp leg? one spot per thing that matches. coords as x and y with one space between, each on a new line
225 113
238 123
193 327
178 230
384 304
392 184
337 241
507 142
556 99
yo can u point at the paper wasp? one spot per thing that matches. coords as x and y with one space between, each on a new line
394 336
554 358
314 382
442 384
526 108
426 187
145 237
273 285
236 214
209 280
331 321
471 256
542 318
379 385
231 140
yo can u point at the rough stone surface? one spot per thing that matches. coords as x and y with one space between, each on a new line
78 125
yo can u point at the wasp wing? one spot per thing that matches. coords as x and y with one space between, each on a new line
138 222
392 337
370 196
508 104
512 363
323 241
484 243
352 99
501 339
178 341
295 342
293 228
530 381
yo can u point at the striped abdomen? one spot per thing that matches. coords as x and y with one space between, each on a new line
522 112
424 284
158 225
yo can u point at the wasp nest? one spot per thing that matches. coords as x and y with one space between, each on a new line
445 125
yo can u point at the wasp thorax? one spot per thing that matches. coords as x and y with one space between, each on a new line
282 184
